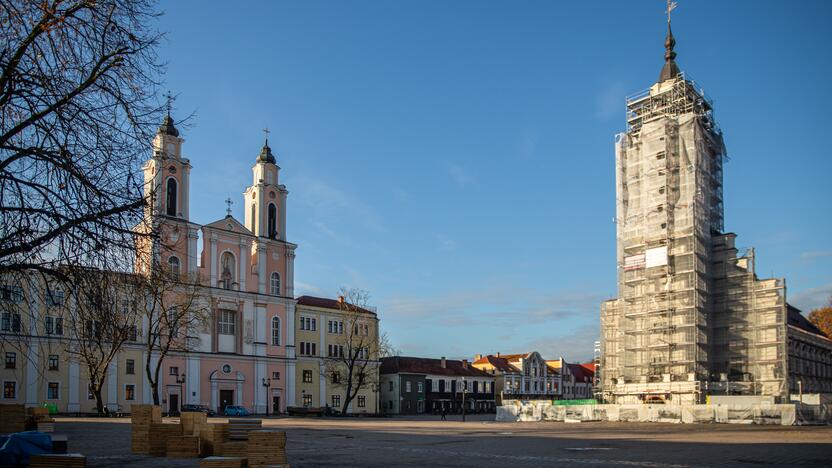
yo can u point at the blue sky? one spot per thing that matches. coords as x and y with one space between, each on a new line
455 159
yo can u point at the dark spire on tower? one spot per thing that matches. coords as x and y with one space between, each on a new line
266 152
670 70
167 127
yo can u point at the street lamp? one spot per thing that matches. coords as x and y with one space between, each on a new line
375 387
180 379
267 383
464 390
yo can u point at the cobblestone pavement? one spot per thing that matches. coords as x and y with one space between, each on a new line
425 441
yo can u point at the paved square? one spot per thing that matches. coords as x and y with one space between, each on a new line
480 442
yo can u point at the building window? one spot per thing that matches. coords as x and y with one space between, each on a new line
53 391
173 264
228 267
307 376
336 401
275 331
362 401
11 293
308 348
54 298
130 367
420 386
272 221
10 322
336 377
134 333
275 375
227 322
173 370
11 360
253 218
9 390
275 284
171 197
407 386
307 400
53 362
129 392
390 386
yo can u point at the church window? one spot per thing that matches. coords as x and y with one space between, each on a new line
173 263
171 197
227 269
254 218
275 331
227 323
272 221
275 284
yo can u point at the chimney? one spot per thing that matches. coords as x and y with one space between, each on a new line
477 357
464 363
498 354
442 361
340 299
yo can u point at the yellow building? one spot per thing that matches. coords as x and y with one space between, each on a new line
332 336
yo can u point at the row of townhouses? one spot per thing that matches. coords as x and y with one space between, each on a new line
413 385
260 347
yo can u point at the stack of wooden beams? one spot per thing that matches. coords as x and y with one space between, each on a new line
222 462
212 436
44 420
238 428
184 446
12 418
192 422
54 460
141 419
159 435
266 448
234 448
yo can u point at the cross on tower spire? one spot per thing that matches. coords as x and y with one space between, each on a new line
228 203
266 132
670 70
170 98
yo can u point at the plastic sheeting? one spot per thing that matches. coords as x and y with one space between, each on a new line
18 447
778 414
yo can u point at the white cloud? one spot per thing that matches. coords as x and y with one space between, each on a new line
815 254
458 174
302 288
812 298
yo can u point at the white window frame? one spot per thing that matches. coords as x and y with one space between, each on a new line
276 331
274 283
227 322
175 265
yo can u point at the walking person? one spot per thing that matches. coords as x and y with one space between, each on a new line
444 412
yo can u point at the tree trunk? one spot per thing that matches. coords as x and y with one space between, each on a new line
99 401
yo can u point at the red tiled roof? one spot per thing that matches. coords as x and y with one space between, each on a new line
499 363
326 303
416 365
581 373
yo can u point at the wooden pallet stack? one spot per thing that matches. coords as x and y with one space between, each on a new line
160 433
53 460
142 417
222 462
192 422
43 419
234 448
184 446
212 436
266 448
12 418
238 429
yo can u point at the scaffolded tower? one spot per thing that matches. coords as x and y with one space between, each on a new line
687 318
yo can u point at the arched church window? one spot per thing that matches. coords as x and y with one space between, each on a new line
227 269
275 284
253 218
272 221
171 197
173 264
275 331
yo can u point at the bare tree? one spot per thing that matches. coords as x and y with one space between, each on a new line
102 317
353 365
175 308
78 106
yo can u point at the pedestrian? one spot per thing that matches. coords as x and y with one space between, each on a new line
444 413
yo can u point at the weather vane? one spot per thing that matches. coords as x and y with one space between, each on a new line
229 203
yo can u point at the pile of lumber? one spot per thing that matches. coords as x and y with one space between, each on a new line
142 417
238 429
192 422
42 418
211 437
266 448
159 435
233 448
222 462
54 460
12 418
184 446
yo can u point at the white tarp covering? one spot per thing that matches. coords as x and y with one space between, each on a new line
656 257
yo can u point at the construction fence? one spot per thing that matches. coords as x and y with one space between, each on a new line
778 414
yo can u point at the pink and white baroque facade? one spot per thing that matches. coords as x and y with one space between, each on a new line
245 353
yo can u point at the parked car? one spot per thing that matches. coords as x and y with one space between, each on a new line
199 409
236 411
